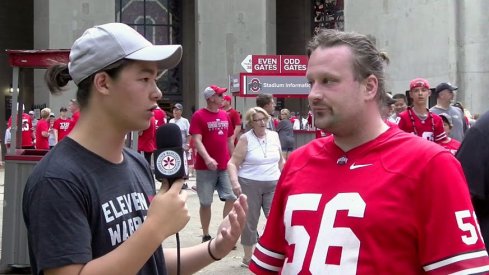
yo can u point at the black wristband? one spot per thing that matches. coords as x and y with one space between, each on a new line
210 253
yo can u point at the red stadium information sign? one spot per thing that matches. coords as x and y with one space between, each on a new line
275 64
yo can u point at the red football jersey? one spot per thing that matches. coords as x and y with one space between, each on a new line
27 130
376 209
160 117
234 120
147 140
62 126
452 146
431 128
74 120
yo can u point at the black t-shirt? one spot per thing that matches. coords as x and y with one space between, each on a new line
473 154
78 206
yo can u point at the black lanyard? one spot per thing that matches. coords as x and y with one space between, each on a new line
410 112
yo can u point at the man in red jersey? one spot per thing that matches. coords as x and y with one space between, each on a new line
361 201
212 137
449 143
234 118
160 117
28 133
74 108
62 123
417 119
147 140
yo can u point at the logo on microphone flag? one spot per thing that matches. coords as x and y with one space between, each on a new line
168 163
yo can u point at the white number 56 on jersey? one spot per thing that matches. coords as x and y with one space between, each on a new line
327 236
343 237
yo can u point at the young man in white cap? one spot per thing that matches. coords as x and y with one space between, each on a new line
101 214
182 123
213 139
184 126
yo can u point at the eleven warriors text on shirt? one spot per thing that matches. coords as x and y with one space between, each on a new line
384 211
105 203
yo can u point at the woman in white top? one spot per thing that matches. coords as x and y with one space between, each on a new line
254 169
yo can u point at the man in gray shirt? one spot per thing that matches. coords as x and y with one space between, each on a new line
444 96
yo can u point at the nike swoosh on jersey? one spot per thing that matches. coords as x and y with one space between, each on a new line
354 166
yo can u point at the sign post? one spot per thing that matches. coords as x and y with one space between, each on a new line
280 75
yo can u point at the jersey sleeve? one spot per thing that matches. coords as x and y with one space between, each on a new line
268 257
48 208
449 240
403 123
439 133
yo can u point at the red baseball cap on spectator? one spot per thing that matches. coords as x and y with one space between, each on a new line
213 89
419 82
227 98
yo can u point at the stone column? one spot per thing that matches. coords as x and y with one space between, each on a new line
227 31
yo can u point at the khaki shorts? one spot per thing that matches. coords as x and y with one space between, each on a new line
208 181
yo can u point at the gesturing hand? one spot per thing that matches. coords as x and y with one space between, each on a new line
231 228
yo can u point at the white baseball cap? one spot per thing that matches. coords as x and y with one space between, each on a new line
105 44
213 89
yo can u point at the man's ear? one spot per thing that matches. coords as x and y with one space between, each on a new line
371 86
102 82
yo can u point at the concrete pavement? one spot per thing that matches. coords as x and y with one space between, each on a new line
191 234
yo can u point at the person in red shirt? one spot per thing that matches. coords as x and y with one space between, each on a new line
62 123
160 117
74 108
147 140
449 143
42 130
234 118
369 199
213 140
417 119
27 131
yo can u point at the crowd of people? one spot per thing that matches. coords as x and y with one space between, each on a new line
45 132
380 193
